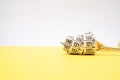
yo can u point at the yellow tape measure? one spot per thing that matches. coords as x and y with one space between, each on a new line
83 44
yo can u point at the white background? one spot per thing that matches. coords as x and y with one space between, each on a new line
47 22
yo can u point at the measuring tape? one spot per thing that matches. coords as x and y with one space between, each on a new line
83 45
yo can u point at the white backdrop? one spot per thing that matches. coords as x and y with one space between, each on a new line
47 22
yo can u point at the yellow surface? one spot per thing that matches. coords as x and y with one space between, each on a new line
51 63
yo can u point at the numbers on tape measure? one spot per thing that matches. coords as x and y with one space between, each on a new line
74 50
89 50
76 44
89 44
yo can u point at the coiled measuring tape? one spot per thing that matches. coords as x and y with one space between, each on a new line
82 45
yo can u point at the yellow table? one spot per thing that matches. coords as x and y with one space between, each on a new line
51 63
